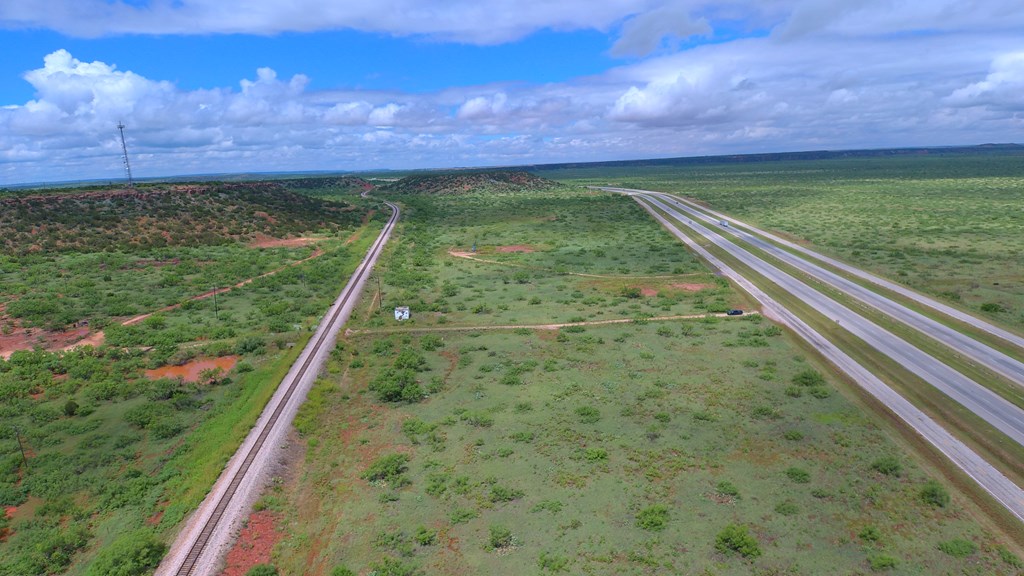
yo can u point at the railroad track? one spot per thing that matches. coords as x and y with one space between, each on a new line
187 554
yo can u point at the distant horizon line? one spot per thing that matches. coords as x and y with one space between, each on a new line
245 176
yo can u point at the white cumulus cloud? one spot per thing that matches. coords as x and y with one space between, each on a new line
1003 87
817 73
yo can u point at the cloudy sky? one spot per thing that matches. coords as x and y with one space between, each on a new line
263 85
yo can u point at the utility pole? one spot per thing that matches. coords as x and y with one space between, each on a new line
124 150
24 458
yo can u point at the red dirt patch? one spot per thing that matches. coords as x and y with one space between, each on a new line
26 510
261 241
524 248
191 371
154 520
646 291
691 287
254 544
26 338
265 216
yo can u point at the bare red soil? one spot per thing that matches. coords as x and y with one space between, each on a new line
27 338
691 287
254 544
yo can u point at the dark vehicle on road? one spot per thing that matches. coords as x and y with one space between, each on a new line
734 312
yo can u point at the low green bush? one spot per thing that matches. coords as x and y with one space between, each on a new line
735 539
882 562
500 537
888 465
387 468
798 475
588 414
653 518
935 494
133 554
958 547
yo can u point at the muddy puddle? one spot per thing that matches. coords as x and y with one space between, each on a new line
190 372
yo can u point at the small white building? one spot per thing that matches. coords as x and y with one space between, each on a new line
402 313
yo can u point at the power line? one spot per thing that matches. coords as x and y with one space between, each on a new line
124 149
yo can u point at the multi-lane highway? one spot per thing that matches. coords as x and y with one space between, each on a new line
991 407
201 544
995 360
903 291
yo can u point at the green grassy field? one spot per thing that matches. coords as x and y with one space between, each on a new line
948 226
116 461
583 258
700 446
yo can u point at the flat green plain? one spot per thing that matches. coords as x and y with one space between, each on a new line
949 225
694 446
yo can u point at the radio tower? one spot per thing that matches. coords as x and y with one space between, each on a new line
124 149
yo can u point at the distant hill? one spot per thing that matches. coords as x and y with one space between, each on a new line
983 149
162 215
469 181
328 186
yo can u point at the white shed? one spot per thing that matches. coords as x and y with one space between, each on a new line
402 313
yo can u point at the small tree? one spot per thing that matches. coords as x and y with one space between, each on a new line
397 386
70 407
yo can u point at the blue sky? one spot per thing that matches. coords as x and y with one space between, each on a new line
335 59
246 85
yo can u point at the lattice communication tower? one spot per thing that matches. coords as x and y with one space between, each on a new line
124 150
